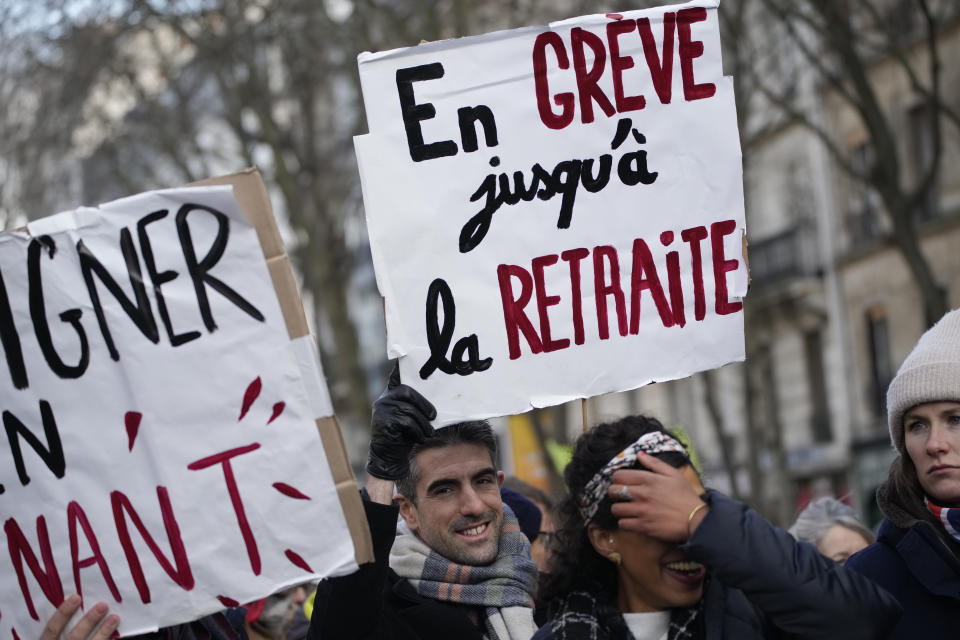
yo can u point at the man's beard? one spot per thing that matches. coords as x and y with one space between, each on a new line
451 548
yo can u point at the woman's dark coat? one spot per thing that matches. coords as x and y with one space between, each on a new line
765 584
915 565
374 603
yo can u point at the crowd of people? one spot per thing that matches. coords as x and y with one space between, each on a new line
638 548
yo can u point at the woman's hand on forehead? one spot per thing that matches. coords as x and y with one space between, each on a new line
661 500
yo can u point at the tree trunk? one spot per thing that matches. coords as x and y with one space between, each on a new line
719 428
905 236
757 495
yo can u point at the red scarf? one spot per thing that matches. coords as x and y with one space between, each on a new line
949 518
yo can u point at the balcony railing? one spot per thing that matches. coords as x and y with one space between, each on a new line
789 254
864 228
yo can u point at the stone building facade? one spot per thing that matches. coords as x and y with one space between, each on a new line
832 309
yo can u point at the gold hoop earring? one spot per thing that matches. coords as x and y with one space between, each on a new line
615 558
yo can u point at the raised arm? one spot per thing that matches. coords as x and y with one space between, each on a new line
352 606
801 592
797 590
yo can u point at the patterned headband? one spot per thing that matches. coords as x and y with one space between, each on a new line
596 489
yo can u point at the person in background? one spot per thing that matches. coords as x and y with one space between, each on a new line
266 619
301 618
645 553
540 545
917 553
271 617
527 513
223 625
833 528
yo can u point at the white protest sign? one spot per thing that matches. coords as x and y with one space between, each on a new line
160 451
556 212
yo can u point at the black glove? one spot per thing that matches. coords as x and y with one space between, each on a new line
401 418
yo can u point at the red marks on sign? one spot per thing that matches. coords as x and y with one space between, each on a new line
277 410
721 266
228 602
77 516
179 570
250 396
20 551
551 56
223 458
14 632
290 492
296 559
131 420
525 297
690 49
253 390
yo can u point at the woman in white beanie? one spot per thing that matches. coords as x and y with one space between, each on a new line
917 554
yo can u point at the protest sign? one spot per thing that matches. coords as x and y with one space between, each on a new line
556 212
160 397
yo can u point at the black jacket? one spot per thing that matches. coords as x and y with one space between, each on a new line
765 584
375 603
919 570
223 625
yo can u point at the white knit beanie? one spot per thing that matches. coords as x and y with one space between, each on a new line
931 373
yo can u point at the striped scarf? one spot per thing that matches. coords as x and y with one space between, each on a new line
949 518
504 588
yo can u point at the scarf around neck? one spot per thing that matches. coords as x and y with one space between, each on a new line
503 589
949 518
585 615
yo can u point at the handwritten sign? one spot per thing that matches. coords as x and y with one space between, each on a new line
160 451
556 212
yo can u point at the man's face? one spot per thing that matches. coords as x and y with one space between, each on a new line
458 512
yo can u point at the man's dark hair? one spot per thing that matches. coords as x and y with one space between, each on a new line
471 432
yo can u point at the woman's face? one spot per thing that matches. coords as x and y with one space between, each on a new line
540 549
839 543
932 440
657 575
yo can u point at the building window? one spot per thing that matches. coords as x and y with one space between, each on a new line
863 210
817 386
881 370
921 156
902 20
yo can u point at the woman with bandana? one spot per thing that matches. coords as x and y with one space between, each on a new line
645 553
917 553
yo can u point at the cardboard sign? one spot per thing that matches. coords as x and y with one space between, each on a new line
556 212
160 448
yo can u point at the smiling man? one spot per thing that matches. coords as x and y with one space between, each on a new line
451 497
457 566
